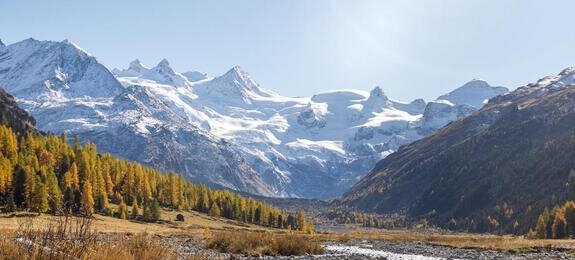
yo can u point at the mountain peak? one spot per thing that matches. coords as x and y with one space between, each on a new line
239 76
74 47
236 71
136 65
476 83
376 101
59 67
164 67
238 83
163 63
565 72
377 92
473 93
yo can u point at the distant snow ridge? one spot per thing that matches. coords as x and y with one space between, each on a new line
226 131
474 93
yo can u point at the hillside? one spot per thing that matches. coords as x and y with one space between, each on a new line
492 171
14 117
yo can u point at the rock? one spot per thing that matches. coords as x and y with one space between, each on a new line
180 217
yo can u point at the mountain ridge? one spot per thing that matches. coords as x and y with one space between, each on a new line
494 170
252 139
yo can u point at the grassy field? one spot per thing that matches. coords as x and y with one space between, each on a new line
457 240
195 223
26 235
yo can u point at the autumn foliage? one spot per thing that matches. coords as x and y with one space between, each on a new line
46 174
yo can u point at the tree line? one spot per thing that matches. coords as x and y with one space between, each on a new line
345 215
556 223
47 174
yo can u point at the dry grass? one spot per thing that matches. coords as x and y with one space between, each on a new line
457 240
74 238
41 236
264 243
194 223
223 235
141 246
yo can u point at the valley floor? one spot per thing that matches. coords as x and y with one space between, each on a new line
188 239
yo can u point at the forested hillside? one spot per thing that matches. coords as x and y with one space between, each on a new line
44 173
494 171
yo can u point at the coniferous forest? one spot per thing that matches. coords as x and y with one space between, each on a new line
556 223
46 174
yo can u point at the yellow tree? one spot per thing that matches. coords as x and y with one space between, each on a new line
87 199
5 174
71 178
214 210
301 221
123 210
29 184
54 193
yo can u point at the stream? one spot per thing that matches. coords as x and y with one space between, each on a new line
372 253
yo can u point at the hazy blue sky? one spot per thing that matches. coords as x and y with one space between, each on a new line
410 48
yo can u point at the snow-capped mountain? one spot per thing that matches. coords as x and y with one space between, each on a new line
474 93
310 146
67 90
225 130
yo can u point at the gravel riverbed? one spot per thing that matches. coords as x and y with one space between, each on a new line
363 249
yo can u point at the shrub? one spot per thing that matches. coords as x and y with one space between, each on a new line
258 244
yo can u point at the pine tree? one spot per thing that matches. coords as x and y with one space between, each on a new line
87 199
155 214
146 215
559 226
123 210
204 202
54 193
10 204
569 209
71 178
29 185
301 221
40 197
280 221
5 174
214 210
135 212
257 215
309 229
550 222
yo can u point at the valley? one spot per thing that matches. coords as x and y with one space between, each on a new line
304 130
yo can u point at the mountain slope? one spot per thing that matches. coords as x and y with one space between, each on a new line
227 131
67 90
14 117
493 170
